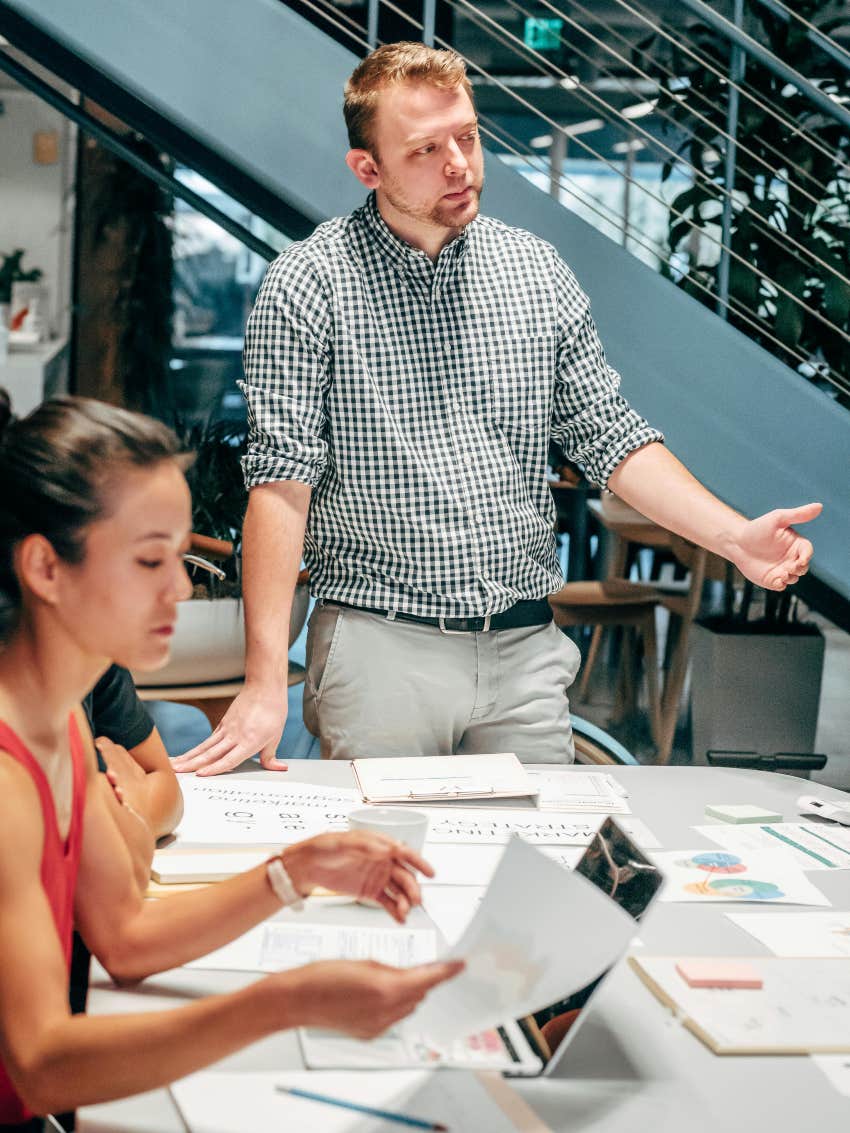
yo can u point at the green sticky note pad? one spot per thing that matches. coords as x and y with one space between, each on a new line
741 812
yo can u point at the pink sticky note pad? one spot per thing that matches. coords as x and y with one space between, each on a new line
718 973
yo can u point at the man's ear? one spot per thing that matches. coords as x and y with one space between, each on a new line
38 567
364 167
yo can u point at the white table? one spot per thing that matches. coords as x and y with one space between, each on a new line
631 1067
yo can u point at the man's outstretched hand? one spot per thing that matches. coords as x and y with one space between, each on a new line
769 552
253 723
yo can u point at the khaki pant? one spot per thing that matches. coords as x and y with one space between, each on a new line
380 688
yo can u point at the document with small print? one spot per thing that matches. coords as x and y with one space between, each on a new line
229 811
275 946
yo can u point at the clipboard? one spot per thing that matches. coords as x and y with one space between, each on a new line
420 779
803 1006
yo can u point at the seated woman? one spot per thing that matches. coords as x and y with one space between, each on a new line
94 517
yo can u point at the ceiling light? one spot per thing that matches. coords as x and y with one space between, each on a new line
573 129
639 109
629 147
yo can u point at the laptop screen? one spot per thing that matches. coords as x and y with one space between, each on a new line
616 865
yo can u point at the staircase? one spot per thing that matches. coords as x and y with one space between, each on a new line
250 96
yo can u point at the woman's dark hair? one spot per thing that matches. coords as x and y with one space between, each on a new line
56 468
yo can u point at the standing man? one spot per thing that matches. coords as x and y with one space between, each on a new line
405 368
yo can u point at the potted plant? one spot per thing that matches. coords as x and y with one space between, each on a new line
756 674
209 639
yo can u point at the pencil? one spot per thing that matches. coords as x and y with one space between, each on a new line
385 1114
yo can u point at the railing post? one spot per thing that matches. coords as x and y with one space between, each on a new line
737 65
557 157
429 20
372 24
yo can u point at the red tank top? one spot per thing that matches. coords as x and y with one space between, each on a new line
59 864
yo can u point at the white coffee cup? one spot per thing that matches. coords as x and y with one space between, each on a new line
408 826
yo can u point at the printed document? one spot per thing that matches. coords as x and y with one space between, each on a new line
579 792
492 827
229 811
708 876
812 845
280 944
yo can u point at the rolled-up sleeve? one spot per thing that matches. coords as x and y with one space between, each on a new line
593 424
287 366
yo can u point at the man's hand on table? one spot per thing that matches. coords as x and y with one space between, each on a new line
362 864
253 723
769 552
361 998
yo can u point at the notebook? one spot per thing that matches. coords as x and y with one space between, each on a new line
525 1047
403 779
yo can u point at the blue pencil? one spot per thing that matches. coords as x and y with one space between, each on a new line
385 1114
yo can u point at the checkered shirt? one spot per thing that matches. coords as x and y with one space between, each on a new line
417 399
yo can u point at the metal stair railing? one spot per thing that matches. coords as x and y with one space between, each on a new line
728 195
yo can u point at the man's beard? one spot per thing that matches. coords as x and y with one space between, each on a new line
443 214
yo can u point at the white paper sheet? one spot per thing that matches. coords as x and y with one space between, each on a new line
799 934
541 933
277 945
229 811
452 907
470 825
461 865
217 1102
765 876
411 779
811 845
579 792
836 1067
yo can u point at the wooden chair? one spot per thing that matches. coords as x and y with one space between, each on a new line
632 606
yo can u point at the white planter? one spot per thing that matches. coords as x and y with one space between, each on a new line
754 692
208 645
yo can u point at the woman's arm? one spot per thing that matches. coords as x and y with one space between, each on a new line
134 938
58 1062
146 781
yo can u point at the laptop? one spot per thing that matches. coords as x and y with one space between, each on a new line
527 1047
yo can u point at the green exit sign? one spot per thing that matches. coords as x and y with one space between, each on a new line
542 34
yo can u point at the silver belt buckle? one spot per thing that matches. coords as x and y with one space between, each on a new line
458 632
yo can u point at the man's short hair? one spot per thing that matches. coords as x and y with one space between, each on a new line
396 63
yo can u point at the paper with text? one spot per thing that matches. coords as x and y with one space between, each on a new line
230 811
811 845
578 792
541 828
275 946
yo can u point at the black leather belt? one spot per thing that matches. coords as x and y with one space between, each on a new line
533 612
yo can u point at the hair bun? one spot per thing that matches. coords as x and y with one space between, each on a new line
5 411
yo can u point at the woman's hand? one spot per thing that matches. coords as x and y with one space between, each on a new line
361 998
362 864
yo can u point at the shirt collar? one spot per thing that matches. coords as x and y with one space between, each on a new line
399 251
